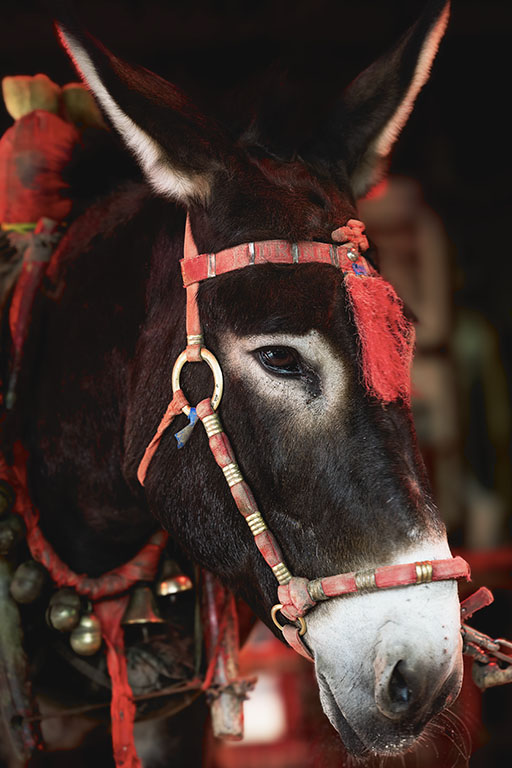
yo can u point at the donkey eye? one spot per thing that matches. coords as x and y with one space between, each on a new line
282 360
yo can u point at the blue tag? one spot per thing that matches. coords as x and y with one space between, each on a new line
359 269
183 435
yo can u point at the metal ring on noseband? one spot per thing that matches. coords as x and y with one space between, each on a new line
213 364
273 613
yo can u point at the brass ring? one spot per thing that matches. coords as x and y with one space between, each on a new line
213 364
273 613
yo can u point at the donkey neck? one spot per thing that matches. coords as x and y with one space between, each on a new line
75 412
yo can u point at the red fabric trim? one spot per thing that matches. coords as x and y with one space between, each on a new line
193 324
33 268
189 244
295 598
396 575
219 444
475 602
269 548
244 499
342 584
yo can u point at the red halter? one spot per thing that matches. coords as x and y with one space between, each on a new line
296 595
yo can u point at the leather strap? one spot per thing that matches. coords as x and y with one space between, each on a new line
294 640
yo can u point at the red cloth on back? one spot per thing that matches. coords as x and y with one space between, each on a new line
33 154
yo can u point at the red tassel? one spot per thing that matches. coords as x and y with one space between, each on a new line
387 337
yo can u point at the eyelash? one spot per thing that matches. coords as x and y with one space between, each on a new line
293 367
291 363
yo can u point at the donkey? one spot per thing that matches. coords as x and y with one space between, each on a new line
335 470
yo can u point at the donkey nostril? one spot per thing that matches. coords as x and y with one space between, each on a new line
399 691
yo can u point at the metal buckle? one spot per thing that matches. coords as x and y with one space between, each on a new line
488 671
213 364
273 613
485 648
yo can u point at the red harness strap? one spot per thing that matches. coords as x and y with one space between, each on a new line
299 595
202 266
175 407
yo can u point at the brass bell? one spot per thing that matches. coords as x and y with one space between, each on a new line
27 582
64 610
85 639
12 530
172 579
142 608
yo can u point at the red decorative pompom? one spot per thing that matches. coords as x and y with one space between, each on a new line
386 336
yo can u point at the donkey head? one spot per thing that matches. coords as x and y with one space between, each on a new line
335 470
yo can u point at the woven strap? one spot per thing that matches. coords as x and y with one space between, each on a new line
246 504
174 408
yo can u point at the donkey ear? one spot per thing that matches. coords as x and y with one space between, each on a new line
178 150
377 104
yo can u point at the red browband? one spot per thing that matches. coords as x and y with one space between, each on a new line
297 595
194 269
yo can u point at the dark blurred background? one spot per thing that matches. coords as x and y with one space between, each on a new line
445 212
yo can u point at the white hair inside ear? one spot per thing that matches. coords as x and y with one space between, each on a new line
392 129
372 164
164 178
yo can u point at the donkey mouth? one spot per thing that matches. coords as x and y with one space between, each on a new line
349 737
375 743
